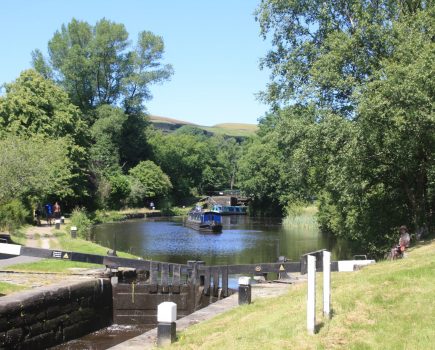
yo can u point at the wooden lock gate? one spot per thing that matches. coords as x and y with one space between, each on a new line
137 292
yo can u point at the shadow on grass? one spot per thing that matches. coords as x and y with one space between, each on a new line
320 325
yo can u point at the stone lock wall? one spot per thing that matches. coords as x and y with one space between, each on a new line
47 316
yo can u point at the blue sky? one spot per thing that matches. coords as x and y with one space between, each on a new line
214 47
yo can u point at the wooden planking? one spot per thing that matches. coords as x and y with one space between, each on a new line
224 270
154 270
165 277
207 278
176 278
216 271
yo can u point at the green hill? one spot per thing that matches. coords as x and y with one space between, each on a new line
229 129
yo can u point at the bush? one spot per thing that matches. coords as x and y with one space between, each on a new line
102 216
80 219
12 215
120 190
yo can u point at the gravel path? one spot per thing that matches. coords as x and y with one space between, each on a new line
41 237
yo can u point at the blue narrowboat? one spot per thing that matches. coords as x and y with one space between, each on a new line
204 221
229 209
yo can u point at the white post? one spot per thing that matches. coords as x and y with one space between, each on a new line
166 326
244 290
327 284
311 297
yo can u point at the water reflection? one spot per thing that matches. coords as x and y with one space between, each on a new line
243 240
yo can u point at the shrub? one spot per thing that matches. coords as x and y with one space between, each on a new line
120 189
80 219
12 215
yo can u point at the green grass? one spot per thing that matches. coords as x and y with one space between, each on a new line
8 288
19 236
389 305
51 265
232 129
66 243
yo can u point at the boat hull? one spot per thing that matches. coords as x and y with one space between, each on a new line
211 228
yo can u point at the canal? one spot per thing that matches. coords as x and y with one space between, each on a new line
244 240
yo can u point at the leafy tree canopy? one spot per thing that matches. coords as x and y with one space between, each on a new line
359 134
153 182
106 134
97 65
36 167
34 105
325 50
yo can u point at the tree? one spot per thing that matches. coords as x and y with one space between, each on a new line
325 51
397 123
227 153
196 163
259 175
96 65
134 144
34 106
183 157
148 181
119 191
360 132
27 169
106 133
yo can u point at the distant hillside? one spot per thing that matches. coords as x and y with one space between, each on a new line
232 129
229 129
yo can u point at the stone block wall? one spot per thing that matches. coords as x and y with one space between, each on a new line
47 316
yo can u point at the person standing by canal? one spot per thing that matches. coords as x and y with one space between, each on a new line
48 213
56 210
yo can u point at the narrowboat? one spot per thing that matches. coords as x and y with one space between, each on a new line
230 209
204 221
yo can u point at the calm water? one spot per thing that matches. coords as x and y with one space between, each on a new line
244 240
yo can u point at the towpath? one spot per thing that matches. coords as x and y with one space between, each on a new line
41 237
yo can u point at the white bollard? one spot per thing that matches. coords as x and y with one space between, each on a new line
244 290
73 232
327 284
166 326
311 296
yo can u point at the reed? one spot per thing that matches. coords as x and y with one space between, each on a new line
301 217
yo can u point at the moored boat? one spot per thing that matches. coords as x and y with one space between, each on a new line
229 209
204 221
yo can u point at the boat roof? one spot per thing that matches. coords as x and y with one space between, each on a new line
194 211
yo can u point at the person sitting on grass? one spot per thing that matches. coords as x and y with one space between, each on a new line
404 241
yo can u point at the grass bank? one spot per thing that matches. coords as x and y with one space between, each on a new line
389 305
66 243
